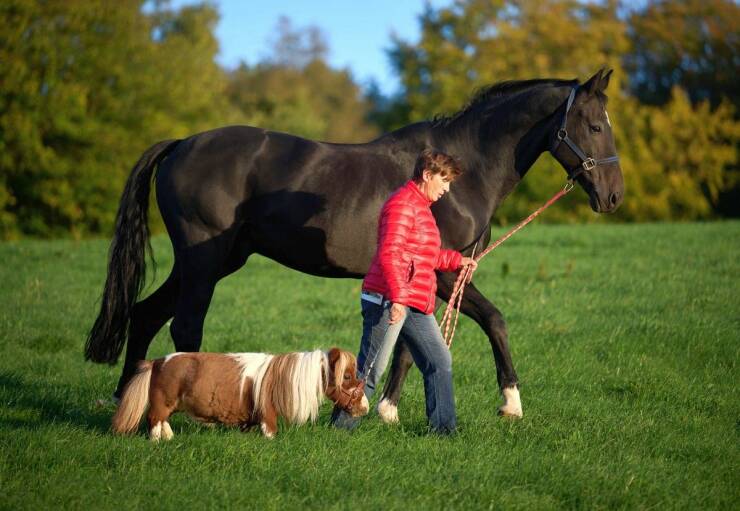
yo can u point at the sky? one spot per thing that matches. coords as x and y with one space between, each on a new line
358 32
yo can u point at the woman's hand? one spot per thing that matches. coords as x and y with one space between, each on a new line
469 262
398 312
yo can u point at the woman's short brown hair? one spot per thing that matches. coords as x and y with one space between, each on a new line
436 162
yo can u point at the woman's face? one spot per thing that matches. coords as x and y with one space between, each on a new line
434 186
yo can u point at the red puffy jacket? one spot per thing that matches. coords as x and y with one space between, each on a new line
408 251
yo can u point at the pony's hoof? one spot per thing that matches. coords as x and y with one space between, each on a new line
388 411
266 432
167 433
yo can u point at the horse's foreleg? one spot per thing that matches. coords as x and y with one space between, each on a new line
147 317
490 319
402 362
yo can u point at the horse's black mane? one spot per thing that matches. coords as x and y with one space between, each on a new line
502 90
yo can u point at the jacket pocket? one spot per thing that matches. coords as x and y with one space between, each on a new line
410 271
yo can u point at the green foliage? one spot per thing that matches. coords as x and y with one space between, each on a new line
624 338
313 101
678 155
89 85
87 88
694 44
675 158
296 92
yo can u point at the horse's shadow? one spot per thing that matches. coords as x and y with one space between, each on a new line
44 407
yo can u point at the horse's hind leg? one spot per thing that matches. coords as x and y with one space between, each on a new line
148 316
201 267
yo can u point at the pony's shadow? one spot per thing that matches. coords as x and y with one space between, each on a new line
45 407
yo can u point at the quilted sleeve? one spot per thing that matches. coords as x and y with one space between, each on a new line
448 260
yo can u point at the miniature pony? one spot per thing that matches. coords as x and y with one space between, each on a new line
239 389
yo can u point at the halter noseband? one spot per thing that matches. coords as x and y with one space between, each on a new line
587 162
345 398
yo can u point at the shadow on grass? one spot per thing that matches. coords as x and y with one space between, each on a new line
48 407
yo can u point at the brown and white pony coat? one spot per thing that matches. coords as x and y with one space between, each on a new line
239 389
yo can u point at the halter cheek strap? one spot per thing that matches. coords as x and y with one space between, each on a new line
346 398
587 162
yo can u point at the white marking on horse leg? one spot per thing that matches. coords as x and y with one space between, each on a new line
512 406
388 411
265 431
167 433
156 432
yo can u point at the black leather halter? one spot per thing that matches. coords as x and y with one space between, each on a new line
587 162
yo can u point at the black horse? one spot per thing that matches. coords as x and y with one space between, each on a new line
313 206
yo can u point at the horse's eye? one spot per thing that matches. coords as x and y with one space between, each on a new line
346 377
595 128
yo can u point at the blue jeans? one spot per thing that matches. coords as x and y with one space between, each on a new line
428 350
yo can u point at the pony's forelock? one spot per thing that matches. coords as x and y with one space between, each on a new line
340 367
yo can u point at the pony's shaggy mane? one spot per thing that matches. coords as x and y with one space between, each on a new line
293 383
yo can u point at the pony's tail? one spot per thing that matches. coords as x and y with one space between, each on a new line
126 261
134 400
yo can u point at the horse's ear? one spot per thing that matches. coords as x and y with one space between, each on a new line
605 80
594 83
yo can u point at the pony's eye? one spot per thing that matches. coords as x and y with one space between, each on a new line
595 128
346 376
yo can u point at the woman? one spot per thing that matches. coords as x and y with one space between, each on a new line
398 293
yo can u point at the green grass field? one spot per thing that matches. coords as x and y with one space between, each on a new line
626 339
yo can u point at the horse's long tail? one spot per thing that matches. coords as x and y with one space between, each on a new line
134 400
126 261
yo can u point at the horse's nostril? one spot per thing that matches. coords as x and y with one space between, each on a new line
614 198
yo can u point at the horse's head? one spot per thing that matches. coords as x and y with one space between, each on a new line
343 387
584 144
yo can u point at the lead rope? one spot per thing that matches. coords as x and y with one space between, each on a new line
465 276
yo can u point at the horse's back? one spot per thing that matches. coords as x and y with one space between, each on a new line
310 205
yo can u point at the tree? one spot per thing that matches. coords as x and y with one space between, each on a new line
668 172
87 86
294 90
694 44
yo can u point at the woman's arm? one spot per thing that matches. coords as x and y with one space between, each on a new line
448 260
451 260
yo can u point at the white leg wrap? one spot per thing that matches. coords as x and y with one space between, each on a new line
388 411
512 406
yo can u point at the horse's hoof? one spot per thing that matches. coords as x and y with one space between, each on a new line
388 411
512 406
515 413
